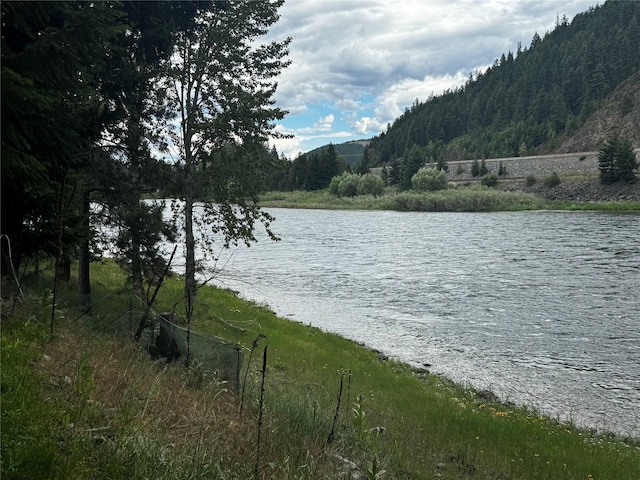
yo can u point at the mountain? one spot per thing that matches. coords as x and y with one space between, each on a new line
533 101
620 114
565 92
352 151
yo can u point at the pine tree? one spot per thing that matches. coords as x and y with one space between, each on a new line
617 161
475 168
483 168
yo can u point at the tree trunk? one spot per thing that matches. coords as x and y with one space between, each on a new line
84 279
190 245
136 264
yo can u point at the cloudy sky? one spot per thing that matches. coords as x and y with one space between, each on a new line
357 64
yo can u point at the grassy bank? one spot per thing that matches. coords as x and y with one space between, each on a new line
462 199
86 403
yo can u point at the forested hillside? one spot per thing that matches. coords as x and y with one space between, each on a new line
529 101
351 152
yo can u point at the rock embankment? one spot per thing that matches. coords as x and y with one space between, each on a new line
578 172
584 163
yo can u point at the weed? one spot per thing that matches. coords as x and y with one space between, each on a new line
552 180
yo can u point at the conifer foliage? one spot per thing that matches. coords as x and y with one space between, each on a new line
106 102
527 100
617 161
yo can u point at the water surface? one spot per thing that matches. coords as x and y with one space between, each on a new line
540 307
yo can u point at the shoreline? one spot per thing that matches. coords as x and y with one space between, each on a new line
423 372
413 424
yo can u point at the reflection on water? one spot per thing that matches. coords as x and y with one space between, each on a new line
540 307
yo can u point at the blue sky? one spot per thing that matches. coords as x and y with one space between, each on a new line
357 64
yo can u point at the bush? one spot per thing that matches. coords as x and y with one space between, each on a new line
429 180
352 184
459 170
345 185
490 180
348 186
552 180
370 185
530 180
334 185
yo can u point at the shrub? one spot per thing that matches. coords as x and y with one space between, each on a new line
370 185
429 179
552 180
335 184
490 180
530 180
348 186
459 170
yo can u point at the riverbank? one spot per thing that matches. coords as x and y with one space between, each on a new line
469 196
87 404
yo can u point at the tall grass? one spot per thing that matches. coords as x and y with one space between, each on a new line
85 404
464 199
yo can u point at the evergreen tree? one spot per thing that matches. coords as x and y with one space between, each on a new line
483 168
617 161
475 168
53 112
531 98
411 163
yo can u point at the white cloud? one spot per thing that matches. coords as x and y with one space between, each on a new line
325 123
391 53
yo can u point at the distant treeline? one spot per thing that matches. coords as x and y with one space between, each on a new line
526 101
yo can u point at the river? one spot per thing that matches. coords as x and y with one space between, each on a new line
542 308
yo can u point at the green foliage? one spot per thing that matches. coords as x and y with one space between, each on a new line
526 100
502 170
617 161
54 109
352 184
523 150
530 180
348 185
310 171
409 166
352 152
551 180
442 164
489 180
139 419
483 168
429 180
475 168
370 185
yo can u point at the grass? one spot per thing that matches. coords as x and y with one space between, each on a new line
86 403
463 199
